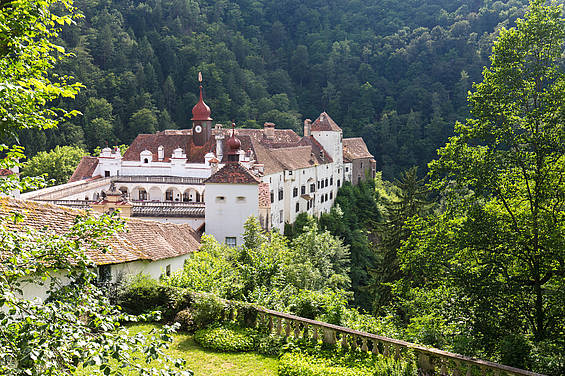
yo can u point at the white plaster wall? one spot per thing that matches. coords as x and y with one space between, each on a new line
332 143
276 181
153 268
196 170
35 290
347 171
110 164
226 218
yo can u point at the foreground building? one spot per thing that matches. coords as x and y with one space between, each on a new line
147 247
214 178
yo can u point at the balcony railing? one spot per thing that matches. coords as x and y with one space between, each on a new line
169 209
158 179
77 204
146 208
177 204
430 361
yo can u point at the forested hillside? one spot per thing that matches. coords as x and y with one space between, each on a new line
395 72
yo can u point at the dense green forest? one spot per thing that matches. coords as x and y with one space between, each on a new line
395 72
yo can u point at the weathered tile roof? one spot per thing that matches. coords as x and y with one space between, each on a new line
85 169
355 148
170 140
325 123
264 195
144 240
233 173
278 153
255 140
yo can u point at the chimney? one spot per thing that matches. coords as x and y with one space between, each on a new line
307 128
269 130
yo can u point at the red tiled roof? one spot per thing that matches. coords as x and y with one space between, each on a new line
170 141
85 169
6 172
233 173
325 123
355 148
144 240
264 195
277 153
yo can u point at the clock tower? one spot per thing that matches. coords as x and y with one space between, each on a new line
201 120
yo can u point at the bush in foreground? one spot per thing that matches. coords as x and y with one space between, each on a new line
227 338
304 364
298 364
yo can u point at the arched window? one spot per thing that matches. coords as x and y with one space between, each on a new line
169 195
142 195
197 197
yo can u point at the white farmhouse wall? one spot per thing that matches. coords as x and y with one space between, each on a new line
225 217
152 268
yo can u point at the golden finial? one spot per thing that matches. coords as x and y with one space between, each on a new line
200 77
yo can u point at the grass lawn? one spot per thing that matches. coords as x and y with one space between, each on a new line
210 363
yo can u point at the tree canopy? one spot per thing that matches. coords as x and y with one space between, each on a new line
497 242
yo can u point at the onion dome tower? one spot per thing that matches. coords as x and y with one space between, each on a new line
201 120
234 146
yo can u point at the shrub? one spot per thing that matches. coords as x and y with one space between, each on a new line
141 294
271 345
299 364
227 338
184 318
206 310
314 361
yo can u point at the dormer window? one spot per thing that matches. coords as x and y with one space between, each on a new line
161 152
146 156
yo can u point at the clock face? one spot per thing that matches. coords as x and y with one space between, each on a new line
198 129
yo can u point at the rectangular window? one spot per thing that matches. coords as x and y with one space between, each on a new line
318 184
281 216
312 187
106 174
272 197
297 207
303 190
290 172
347 169
104 274
331 180
168 270
281 194
231 241
295 192
331 195
338 183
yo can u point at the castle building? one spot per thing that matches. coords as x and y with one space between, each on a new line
216 177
